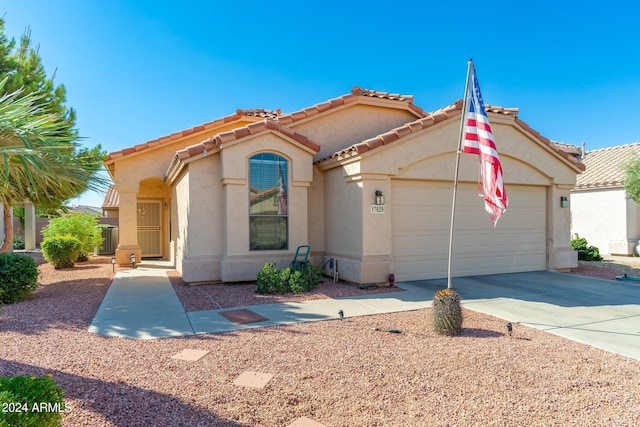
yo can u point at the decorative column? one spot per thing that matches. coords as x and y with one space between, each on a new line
128 227
29 226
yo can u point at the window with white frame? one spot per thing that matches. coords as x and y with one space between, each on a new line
268 202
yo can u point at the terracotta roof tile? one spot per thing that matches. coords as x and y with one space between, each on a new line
568 148
260 112
193 130
436 117
218 141
605 166
112 198
399 132
383 95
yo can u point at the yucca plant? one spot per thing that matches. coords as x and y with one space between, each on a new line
447 312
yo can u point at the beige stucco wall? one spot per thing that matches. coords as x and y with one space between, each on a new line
363 239
607 218
213 214
350 125
200 221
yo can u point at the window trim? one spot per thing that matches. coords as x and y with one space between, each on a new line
278 159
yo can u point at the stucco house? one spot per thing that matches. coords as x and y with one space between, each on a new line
601 211
364 179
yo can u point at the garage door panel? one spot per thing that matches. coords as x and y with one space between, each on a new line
421 215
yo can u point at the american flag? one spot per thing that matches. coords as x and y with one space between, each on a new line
478 139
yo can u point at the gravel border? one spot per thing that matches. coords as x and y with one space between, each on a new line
338 373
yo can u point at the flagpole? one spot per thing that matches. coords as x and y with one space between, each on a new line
455 179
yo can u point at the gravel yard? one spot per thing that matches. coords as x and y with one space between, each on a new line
337 373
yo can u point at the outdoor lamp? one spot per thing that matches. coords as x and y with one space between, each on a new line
564 202
509 328
113 264
379 198
132 257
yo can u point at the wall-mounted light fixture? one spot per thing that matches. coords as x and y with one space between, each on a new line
564 202
379 198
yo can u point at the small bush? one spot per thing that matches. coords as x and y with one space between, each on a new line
447 312
272 280
83 227
18 277
31 401
18 243
61 250
585 252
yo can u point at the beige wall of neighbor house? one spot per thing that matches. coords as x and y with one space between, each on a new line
613 230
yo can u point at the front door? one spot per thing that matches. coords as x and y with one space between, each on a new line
150 228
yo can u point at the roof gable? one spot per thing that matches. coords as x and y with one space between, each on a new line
605 166
255 114
217 143
438 116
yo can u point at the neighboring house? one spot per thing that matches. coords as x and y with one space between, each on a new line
110 203
601 211
91 210
223 198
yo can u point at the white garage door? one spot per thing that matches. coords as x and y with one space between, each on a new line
421 216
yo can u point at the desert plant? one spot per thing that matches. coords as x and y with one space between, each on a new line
18 277
447 312
585 252
31 401
61 250
83 227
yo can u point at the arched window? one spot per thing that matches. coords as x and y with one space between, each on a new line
268 202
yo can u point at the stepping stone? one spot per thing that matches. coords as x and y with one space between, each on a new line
253 379
305 422
190 354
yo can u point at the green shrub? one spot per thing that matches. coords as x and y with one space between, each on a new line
269 280
83 227
31 401
18 277
585 252
447 312
18 243
61 250
272 280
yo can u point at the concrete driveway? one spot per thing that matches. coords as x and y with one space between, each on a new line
601 313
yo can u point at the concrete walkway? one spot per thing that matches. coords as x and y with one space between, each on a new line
141 304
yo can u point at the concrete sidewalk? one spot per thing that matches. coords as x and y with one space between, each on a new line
141 304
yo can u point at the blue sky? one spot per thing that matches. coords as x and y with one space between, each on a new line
138 70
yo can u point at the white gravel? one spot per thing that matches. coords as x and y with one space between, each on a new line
338 373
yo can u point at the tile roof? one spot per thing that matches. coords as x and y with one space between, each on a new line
437 117
218 141
399 132
574 150
605 166
112 198
277 116
257 113
355 95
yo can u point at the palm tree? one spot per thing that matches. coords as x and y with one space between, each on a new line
40 159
